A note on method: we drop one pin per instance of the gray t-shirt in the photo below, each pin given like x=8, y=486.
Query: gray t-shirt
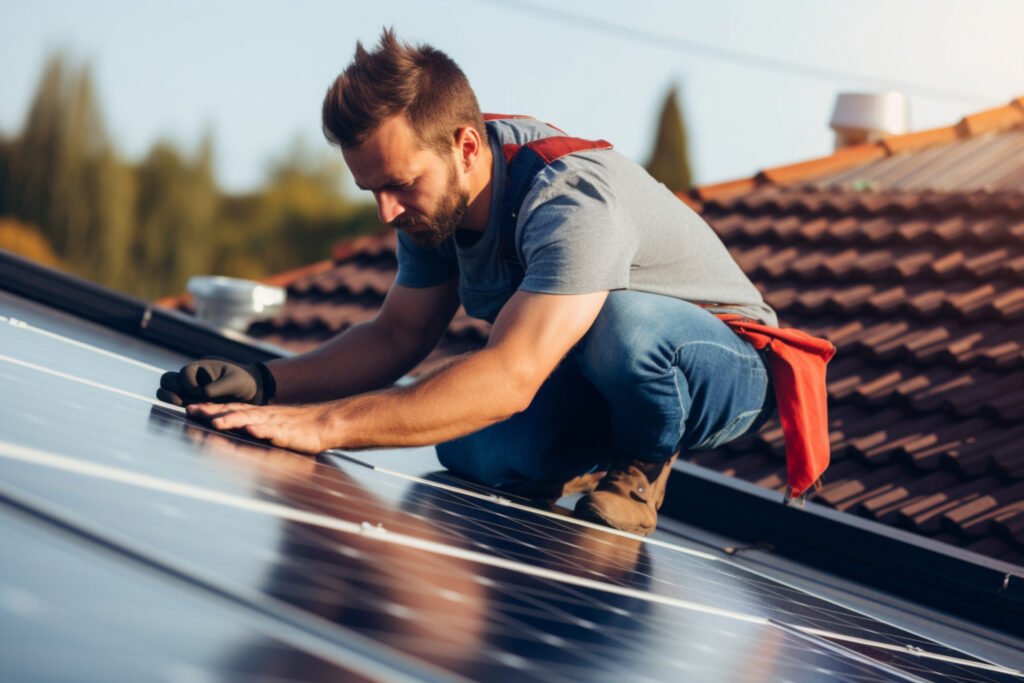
x=591, y=221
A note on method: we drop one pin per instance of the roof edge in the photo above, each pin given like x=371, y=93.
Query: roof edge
x=128, y=314
x=973, y=586
x=995, y=120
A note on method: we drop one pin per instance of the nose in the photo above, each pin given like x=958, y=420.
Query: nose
x=388, y=208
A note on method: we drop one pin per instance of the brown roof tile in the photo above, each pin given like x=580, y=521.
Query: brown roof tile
x=992, y=120
x=727, y=189
x=844, y=158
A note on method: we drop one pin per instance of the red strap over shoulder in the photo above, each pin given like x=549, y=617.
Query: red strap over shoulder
x=554, y=148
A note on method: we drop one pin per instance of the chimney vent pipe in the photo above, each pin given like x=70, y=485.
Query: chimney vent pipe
x=228, y=302
x=864, y=117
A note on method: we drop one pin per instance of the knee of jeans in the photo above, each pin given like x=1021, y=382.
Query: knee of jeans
x=620, y=343
x=462, y=457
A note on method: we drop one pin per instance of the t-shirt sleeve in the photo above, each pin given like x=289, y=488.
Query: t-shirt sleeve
x=572, y=236
x=421, y=267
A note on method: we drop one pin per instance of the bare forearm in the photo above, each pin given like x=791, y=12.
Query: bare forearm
x=472, y=392
x=531, y=335
x=364, y=358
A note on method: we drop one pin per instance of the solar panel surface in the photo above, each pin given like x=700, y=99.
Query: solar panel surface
x=131, y=520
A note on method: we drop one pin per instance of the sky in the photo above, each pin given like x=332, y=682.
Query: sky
x=758, y=79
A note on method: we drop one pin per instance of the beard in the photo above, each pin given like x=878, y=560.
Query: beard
x=442, y=224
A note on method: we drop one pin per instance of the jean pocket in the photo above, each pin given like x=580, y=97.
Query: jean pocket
x=738, y=426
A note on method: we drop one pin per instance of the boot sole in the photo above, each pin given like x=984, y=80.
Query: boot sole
x=586, y=511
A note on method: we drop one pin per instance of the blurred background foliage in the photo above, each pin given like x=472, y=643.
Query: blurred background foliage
x=68, y=198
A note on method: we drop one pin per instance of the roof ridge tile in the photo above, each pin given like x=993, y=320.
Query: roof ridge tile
x=997, y=119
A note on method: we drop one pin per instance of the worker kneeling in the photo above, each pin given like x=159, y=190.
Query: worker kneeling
x=606, y=357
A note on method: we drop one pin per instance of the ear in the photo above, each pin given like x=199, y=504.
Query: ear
x=468, y=147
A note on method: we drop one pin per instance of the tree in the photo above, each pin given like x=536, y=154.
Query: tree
x=669, y=162
x=63, y=175
x=176, y=207
x=146, y=228
x=294, y=219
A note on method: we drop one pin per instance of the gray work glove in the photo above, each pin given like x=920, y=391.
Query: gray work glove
x=217, y=380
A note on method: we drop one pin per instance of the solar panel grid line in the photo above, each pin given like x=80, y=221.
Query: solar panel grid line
x=501, y=500
x=15, y=451
x=98, y=385
x=282, y=620
x=820, y=642
x=492, y=497
x=142, y=480
x=910, y=649
x=22, y=325
x=504, y=529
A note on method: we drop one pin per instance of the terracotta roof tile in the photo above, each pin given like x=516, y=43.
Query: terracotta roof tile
x=728, y=189
x=844, y=158
x=992, y=120
x=920, y=140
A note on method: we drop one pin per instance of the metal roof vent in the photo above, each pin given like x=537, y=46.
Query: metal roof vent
x=233, y=303
x=861, y=117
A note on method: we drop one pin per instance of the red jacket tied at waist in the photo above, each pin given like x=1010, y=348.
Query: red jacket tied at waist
x=798, y=363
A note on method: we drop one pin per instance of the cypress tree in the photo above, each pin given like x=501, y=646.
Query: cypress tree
x=669, y=161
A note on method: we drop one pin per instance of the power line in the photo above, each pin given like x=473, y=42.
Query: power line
x=734, y=56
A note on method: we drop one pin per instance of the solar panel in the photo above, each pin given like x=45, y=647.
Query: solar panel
x=149, y=546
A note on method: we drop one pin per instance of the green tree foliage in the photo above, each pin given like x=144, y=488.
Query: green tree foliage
x=669, y=161
x=295, y=218
x=176, y=205
x=146, y=227
x=63, y=175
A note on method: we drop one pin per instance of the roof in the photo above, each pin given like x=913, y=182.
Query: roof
x=909, y=255
x=144, y=545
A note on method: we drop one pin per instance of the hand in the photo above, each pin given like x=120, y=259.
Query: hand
x=300, y=428
x=219, y=380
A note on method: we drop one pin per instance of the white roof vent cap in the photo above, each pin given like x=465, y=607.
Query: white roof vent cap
x=864, y=117
x=233, y=303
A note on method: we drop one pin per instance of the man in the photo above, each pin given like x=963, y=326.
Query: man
x=605, y=358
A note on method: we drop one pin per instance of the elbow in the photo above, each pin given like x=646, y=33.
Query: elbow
x=520, y=402
x=521, y=388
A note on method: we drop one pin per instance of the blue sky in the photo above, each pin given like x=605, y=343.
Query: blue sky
x=758, y=78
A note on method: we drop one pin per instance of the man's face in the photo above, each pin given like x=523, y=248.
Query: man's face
x=417, y=189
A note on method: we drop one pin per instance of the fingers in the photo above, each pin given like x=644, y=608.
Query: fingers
x=282, y=426
x=215, y=379
x=236, y=384
x=179, y=387
x=210, y=411
x=169, y=397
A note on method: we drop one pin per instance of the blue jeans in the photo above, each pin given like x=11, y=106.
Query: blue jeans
x=653, y=376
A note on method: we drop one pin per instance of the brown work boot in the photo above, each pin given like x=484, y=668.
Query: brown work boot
x=552, y=492
x=629, y=496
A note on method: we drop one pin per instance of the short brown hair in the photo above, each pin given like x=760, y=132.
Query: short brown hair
x=420, y=82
